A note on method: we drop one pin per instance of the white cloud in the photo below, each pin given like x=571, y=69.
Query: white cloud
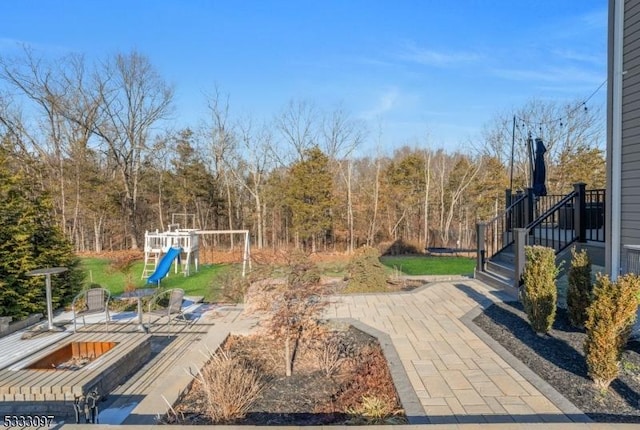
x=550, y=74
x=430, y=57
x=385, y=103
x=572, y=55
x=597, y=19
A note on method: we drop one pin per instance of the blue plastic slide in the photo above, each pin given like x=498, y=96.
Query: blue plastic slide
x=164, y=266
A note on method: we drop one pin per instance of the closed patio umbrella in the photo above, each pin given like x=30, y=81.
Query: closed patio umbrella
x=539, y=170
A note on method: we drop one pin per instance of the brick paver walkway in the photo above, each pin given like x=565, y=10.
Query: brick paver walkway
x=456, y=375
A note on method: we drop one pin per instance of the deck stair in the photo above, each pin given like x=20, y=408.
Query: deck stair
x=556, y=222
x=500, y=273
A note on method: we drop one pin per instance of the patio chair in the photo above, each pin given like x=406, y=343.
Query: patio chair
x=173, y=299
x=96, y=301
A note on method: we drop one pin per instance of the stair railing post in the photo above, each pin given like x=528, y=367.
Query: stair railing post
x=529, y=202
x=481, y=251
x=508, y=198
x=520, y=240
x=580, y=212
x=518, y=211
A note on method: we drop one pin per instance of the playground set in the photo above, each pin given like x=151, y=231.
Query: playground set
x=162, y=249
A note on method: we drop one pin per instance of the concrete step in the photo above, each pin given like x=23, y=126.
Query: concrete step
x=497, y=281
x=501, y=268
x=506, y=257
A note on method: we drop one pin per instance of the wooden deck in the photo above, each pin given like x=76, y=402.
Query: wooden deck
x=20, y=384
x=156, y=369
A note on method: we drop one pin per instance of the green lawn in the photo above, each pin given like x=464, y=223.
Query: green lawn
x=427, y=265
x=99, y=271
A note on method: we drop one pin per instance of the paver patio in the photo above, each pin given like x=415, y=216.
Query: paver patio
x=459, y=377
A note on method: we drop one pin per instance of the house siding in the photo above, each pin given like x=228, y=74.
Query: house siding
x=630, y=146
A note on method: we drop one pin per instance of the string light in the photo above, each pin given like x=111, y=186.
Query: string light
x=580, y=105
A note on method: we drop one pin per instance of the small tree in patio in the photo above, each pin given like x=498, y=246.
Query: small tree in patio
x=292, y=307
x=539, y=295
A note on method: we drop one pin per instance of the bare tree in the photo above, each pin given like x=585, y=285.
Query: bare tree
x=222, y=138
x=372, y=228
x=256, y=148
x=455, y=174
x=566, y=130
x=80, y=107
x=298, y=125
x=342, y=135
x=133, y=99
x=12, y=125
x=376, y=200
x=39, y=83
x=427, y=188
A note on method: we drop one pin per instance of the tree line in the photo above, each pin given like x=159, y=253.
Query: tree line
x=96, y=139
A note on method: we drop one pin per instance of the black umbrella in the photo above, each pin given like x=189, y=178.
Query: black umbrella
x=539, y=170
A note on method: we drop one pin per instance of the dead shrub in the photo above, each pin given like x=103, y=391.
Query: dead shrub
x=371, y=379
x=260, y=295
x=231, y=386
x=610, y=318
x=399, y=247
x=234, y=287
x=331, y=352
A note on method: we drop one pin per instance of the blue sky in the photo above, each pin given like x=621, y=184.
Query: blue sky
x=419, y=71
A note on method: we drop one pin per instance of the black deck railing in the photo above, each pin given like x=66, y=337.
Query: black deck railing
x=552, y=221
x=556, y=227
x=595, y=203
x=544, y=203
x=495, y=235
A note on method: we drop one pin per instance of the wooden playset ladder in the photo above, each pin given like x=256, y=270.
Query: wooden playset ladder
x=150, y=263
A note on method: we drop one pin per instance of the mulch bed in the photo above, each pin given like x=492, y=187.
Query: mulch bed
x=308, y=397
x=558, y=358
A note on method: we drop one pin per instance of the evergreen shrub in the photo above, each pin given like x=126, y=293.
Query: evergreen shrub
x=610, y=318
x=580, y=287
x=365, y=272
x=539, y=294
x=31, y=239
